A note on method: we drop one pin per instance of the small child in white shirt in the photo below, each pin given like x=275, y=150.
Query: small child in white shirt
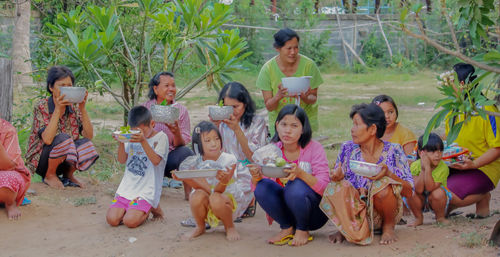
x=140, y=189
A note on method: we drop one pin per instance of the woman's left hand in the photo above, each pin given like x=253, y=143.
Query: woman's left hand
x=383, y=172
x=224, y=176
x=467, y=164
x=81, y=105
x=232, y=123
x=293, y=172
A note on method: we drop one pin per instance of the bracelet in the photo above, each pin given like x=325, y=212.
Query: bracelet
x=220, y=182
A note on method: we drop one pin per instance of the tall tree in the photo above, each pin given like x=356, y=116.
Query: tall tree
x=21, y=44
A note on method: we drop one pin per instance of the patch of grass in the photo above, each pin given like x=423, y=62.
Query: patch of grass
x=84, y=201
x=106, y=166
x=473, y=239
x=36, y=178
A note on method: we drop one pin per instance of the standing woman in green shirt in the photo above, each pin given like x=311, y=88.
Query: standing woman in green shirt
x=288, y=63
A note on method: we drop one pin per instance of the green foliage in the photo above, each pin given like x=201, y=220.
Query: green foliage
x=124, y=42
x=374, y=50
x=401, y=63
x=473, y=239
x=461, y=102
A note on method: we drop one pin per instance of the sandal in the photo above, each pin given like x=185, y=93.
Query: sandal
x=309, y=239
x=251, y=210
x=283, y=241
x=189, y=222
x=476, y=216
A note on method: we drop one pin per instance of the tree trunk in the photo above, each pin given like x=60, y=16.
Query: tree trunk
x=6, y=89
x=21, y=63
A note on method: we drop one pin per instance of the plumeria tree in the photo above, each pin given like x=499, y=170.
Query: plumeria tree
x=126, y=42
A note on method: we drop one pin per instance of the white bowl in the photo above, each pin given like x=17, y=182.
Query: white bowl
x=274, y=172
x=220, y=112
x=296, y=85
x=125, y=137
x=164, y=113
x=73, y=94
x=196, y=173
x=365, y=169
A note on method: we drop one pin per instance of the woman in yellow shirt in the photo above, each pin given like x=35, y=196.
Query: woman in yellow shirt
x=471, y=181
x=395, y=132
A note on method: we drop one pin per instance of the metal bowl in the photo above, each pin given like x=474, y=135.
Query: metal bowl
x=274, y=172
x=73, y=94
x=220, y=112
x=125, y=137
x=164, y=113
x=208, y=173
x=365, y=169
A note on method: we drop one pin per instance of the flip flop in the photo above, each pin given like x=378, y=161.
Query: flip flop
x=476, y=216
x=189, y=222
x=309, y=239
x=26, y=201
x=283, y=241
x=455, y=213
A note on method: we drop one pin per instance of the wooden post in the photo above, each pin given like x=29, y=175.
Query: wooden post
x=346, y=56
x=383, y=34
x=6, y=95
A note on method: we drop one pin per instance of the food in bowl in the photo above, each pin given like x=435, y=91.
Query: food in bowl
x=125, y=134
x=220, y=112
x=73, y=94
x=296, y=85
x=365, y=169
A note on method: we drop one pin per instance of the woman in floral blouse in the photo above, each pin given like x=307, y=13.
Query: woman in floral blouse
x=59, y=143
x=356, y=204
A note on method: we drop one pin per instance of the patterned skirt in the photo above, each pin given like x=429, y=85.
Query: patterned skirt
x=79, y=153
x=355, y=218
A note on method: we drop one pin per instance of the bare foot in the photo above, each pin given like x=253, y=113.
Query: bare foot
x=280, y=235
x=196, y=233
x=443, y=221
x=157, y=213
x=388, y=235
x=12, y=211
x=336, y=238
x=300, y=238
x=76, y=181
x=418, y=221
x=232, y=234
x=53, y=181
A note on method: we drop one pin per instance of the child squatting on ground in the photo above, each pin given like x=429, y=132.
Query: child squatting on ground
x=217, y=198
x=140, y=189
x=430, y=174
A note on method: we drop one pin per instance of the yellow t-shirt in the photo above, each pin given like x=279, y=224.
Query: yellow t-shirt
x=479, y=135
x=439, y=174
x=402, y=135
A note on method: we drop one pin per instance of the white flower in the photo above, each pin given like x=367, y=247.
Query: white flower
x=440, y=83
x=226, y=2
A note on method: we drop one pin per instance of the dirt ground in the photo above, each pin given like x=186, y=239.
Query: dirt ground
x=52, y=225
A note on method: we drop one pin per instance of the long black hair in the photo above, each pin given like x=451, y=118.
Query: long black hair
x=301, y=115
x=236, y=90
x=385, y=98
x=202, y=127
x=56, y=73
x=155, y=81
x=371, y=114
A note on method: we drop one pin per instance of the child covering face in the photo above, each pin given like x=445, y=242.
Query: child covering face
x=430, y=174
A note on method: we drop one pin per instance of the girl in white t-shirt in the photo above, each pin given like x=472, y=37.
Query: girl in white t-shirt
x=145, y=157
x=217, y=198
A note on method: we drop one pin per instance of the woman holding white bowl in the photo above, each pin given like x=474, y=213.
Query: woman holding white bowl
x=289, y=63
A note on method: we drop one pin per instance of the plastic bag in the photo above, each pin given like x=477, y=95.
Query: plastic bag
x=267, y=155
